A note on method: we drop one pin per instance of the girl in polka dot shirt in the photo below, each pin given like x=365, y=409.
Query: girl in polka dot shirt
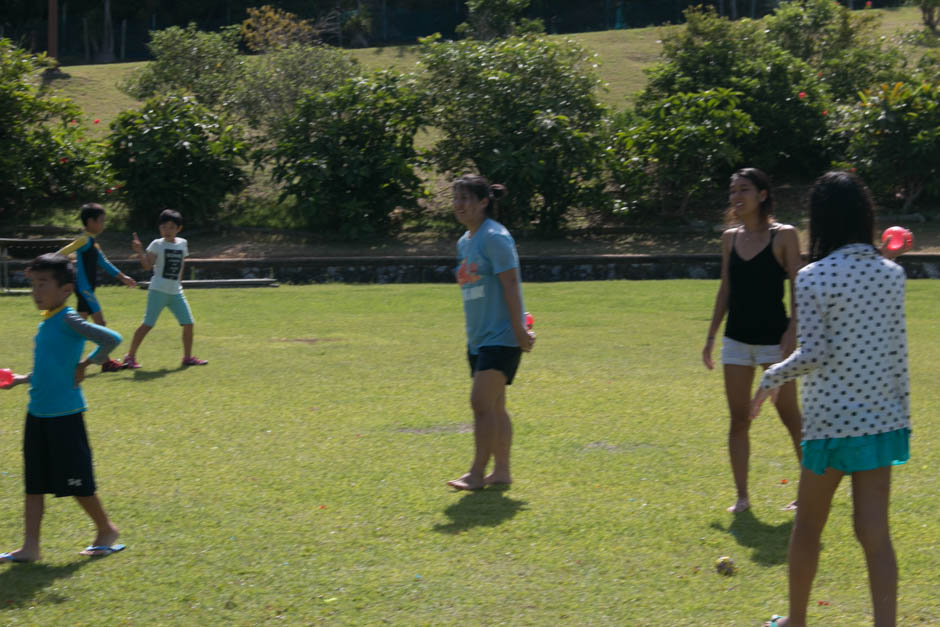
x=855, y=393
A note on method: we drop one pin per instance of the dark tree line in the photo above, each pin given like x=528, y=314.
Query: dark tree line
x=108, y=30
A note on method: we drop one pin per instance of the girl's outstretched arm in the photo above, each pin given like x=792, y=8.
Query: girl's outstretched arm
x=721, y=300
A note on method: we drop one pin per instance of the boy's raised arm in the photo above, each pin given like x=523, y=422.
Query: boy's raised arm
x=146, y=259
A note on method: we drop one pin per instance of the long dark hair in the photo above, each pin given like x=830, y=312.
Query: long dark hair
x=841, y=211
x=481, y=187
x=762, y=182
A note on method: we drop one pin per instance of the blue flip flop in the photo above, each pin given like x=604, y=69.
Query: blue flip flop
x=774, y=619
x=104, y=550
x=8, y=558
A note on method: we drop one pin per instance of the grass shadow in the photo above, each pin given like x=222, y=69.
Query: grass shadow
x=768, y=541
x=482, y=508
x=147, y=375
x=21, y=583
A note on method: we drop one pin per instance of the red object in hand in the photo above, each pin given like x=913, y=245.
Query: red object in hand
x=6, y=376
x=897, y=238
x=529, y=320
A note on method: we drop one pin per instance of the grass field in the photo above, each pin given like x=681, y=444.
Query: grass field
x=299, y=477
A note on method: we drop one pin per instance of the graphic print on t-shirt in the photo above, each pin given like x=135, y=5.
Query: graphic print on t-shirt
x=467, y=273
x=173, y=264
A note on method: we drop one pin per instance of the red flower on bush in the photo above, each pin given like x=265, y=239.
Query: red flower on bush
x=108, y=190
x=63, y=160
x=868, y=4
x=97, y=120
x=802, y=95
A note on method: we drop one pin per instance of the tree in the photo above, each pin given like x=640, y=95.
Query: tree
x=489, y=19
x=521, y=111
x=175, y=153
x=930, y=13
x=43, y=155
x=347, y=156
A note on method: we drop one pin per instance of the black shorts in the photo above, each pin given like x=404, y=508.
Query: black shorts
x=57, y=456
x=503, y=358
x=87, y=302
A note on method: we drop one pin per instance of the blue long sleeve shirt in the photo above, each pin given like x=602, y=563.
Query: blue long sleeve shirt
x=59, y=344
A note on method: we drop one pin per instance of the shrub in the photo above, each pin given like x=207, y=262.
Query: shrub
x=841, y=45
x=782, y=95
x=189, y=61
x=523, y=112
x=269, y=28
x=43, y=155
x=175, y=153
x=662, y=161
x=274, y=82
x=490, y=19
x=348, y=157
x=894, y=141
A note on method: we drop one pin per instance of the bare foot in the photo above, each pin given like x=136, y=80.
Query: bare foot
x=18, y=556
x=102, y=540
x=790, y=507
x=467, y=482
x=494, y=479
x=740, y=506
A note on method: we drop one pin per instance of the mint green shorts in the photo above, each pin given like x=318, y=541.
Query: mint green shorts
x=157, y=300
x=856, y=454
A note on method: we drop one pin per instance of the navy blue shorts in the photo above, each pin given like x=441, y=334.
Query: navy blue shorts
x=503, y=358
x=57, y=456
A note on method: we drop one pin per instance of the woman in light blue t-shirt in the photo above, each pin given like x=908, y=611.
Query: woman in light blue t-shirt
x=491, y=287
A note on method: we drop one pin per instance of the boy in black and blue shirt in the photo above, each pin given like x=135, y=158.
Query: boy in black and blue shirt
x=88, y=257
x=55, y=445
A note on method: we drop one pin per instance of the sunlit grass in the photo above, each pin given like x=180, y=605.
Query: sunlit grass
x=299, y=477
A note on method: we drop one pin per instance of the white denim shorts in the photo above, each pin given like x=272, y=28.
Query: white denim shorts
x=735, y=353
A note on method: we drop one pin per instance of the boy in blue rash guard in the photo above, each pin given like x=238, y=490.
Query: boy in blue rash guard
x=491, y=287
x=55, y=445
x=88, y=257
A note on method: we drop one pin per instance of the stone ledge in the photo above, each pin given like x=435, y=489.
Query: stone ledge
x=440, y=269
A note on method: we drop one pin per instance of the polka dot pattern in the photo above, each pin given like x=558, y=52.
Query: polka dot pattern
x=853, y=346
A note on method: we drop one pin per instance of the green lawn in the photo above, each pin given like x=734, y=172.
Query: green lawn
x=299, y=477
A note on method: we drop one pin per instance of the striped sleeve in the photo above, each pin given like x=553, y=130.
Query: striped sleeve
x=74, y=246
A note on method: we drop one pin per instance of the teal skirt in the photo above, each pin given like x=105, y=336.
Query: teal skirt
x=855, y=454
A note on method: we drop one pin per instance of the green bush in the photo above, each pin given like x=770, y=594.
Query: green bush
x=841, y=45
x=348, y=157
x=522, y=112
x=273, y=83
x=664, y=160
x=175, y=153
x=894, y=141
x=188, y=61
x=489, y=19
x=783, y=95
x=44, y=157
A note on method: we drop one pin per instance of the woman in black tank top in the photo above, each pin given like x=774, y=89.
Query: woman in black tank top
x=757, y=257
